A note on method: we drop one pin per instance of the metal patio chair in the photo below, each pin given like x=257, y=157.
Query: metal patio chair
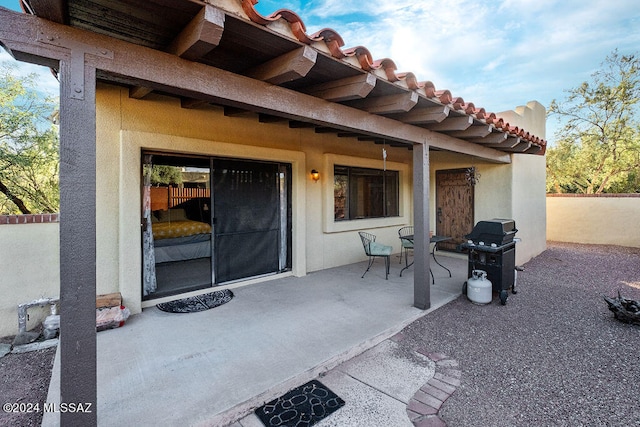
x=407, y=244
x=374, y=249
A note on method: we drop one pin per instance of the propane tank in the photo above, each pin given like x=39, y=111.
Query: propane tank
x=479, y=288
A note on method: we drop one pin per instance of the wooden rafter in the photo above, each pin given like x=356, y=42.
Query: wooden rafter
x=288, y=67
x=424, y=115
x=493, y=138
x=347, y=89
x=200, y=36
x=510, y=142
x=323, y=129
x=473, y=131
x=139, y=92
x=388, y=104
x=52, y=10
x=521, y=147
x=268, y=118
x=179, y=77
x=452, y=124
x=295, y=124
x=193, y=103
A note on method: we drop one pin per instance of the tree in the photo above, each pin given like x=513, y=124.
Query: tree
x=598, y=148
x=29, y=146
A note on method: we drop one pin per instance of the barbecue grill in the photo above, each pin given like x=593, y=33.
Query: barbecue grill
x=492, y=248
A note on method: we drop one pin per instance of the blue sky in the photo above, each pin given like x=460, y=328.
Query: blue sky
x=498, y=55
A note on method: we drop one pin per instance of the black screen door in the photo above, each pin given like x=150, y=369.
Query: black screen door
x=247, y=219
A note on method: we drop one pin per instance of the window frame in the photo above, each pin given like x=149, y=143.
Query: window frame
x=328, y=201
x=369, y=175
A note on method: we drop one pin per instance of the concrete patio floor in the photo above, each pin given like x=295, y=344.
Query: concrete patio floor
x=216, y=366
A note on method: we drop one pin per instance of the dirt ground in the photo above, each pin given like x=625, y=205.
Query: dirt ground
x=24, y=379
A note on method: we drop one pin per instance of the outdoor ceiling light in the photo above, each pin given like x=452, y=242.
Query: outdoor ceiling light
x=315, y=175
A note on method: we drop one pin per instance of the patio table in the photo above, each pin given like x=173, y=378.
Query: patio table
x=432, y=239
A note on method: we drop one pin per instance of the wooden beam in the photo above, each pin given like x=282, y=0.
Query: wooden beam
x=139, y=92
x=235, y=112
x=387, y=104
x=267, y=118
x=521, y=147
x=473, y=131
x=200, y=36
x=295, y=124
x=510, y=142
x=533, y=149
x=426, y=115
x=452, y=124
x=323, y=129
x=193, y=103
x=495, y=137
x=78, y=349
x=375, y=139
x=356, y=87
x=288, y=67
x=180, y=77
x=51, y=10
x=421, y=288
x=197, y=39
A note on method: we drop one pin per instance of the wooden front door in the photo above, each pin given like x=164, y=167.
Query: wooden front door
x=454, y=207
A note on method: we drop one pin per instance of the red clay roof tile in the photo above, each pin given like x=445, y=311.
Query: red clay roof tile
x=334, y=43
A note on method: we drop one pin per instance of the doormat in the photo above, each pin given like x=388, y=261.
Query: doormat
x=303, y=406
x=197, y=303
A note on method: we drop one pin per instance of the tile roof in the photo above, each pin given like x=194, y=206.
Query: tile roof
x=387, y=66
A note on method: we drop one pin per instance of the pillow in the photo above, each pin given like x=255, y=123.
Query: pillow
x=172, y=215
x=177, y=215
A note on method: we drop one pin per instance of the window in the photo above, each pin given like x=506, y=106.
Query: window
x=365, y=193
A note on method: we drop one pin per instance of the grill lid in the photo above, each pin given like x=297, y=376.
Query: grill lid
x=498, y=231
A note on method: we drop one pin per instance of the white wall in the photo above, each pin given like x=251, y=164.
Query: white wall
x=595, y=220
x=30, y=270
x=528, y=177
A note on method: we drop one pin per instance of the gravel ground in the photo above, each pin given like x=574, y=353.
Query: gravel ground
x=554, y=355
x=24, y=378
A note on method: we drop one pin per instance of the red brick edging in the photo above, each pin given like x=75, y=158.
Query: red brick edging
x=424, y=407
x=30, y=218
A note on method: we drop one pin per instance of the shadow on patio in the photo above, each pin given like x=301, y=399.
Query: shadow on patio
x=212, y=367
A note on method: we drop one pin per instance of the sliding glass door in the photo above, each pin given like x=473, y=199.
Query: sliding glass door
x=212, y=221
x=246, y=219
x=179, y=224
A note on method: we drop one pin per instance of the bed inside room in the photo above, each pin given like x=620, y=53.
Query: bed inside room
x=180, y=223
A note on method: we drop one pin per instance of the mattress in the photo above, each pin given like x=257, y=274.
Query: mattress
x=174, y=229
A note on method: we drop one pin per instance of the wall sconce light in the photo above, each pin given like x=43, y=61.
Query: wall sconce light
x=315, y=175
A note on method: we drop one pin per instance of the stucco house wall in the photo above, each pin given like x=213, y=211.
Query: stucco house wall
x=126, y=126
x=527, y=185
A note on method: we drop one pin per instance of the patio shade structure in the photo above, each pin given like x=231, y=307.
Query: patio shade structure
x=208, y=55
